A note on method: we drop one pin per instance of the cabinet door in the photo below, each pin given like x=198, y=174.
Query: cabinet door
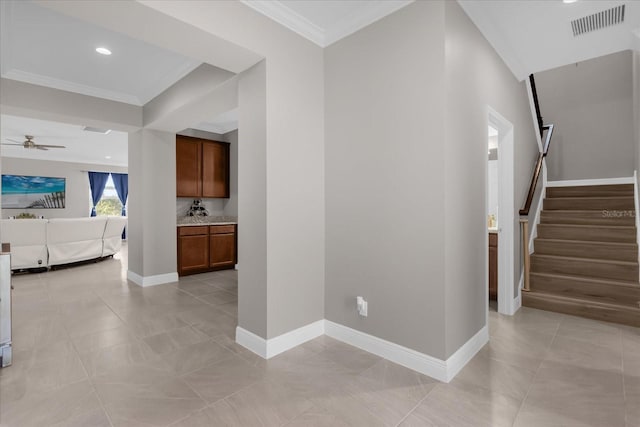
x=188, y=167
x=215, y=169
x=223, y=250
x=193, y=253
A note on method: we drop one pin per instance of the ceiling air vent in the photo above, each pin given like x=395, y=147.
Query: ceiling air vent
x=597, y=21
x=97, y=130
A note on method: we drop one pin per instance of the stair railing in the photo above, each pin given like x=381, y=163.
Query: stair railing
x=524, y=212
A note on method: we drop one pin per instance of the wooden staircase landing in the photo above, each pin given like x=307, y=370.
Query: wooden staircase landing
x=585, y=259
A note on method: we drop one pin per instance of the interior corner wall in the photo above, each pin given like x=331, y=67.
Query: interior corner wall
x=152, y=187
x=231, y=204
x=78, y=193
x=476, y=77
x=591, y=105
x=636, y=107
x=294, y=132
x=384, y=152
x=252, y=201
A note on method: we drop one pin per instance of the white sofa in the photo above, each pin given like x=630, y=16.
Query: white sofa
x=28, y=238
x=45, y=243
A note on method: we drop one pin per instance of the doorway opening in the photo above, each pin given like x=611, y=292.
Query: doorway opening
x=500, y=213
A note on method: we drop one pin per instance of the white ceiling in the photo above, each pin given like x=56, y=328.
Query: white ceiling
x=325, y=21
x=82, y=146
x=43, y=47
x=533, y=36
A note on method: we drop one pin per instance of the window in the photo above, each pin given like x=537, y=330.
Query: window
x=109, y=204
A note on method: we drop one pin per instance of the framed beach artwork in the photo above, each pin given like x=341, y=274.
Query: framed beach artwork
x=32, y=192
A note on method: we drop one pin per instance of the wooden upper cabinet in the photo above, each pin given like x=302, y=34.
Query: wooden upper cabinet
x=202, y=168
x=188, y=167
x=215, y=169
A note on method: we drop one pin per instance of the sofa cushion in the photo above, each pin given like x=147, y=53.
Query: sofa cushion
x=28, y=239
x=74, y=239
x=112, y=240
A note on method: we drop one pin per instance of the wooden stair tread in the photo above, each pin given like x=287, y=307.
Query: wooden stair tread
x=586, y=302
x=587, y=279
x=606, y=311
x=590, y=242
x=593, y=260
x=593, y=226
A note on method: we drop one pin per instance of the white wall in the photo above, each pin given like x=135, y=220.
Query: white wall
x=78, y=194
x=591, y=105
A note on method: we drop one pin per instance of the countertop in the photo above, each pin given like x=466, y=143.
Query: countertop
x=187, y=221
x=493, y=230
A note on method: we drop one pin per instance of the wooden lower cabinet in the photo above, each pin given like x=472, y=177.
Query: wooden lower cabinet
x=206, y=248
x=493, y=266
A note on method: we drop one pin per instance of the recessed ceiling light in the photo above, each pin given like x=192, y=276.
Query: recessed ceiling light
x=103, y=51
x=107, y=157
x=569, y=1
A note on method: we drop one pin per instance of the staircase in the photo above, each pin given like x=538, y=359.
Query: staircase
x=585, y=259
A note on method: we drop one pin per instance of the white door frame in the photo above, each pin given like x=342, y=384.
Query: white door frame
x=506, y=216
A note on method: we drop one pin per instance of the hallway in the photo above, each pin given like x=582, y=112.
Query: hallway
x=92, y=349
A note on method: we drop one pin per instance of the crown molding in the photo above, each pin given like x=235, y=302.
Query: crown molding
x=60, y=84
x=286, y=17
x=323, y=37
x=376, y=11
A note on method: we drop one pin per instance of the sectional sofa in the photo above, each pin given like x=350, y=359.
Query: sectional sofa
x=49, y=242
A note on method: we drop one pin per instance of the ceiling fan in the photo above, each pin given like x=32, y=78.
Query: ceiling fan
x=28, y=143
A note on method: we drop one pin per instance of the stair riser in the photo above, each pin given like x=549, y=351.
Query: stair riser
x=604, y=204
x=625, y=316
x=602, y=234
x=625, y=190
x=586, y=250
x=584, y=268
x=585, y=218
x=574, y=287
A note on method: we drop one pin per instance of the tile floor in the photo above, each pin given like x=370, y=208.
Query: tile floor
x=92, y=349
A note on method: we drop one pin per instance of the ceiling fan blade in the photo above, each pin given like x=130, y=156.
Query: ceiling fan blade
x=15, y=145
x=41, y=147
x=13, y=140
x=50, y=146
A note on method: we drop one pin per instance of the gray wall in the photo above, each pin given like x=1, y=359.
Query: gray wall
x=78, y=194
x=636, y=107
x=407, y=124
x=591, y=104
x=476, y=77
x=384, y=165
x=152, y=188
x=252, y=201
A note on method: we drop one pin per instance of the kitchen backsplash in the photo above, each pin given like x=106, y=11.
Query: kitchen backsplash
x=214, y=206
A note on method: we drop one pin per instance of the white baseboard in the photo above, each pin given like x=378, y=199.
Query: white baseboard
x=517, y=303
x=251, y=341
x=158, y=279
x=274, y=346
x=464, y=354
x=442, y=370
x=582, y=182
x=428, y=365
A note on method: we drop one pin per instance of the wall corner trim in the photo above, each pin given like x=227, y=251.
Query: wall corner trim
x=274, y=346
x=442, y=370
x=428, y=365
x=465, y=353
x=158, y=279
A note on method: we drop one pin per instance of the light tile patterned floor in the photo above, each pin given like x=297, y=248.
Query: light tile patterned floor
x=92, y=349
